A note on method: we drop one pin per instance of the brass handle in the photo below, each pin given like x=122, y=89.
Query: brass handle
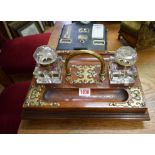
x=99, y=57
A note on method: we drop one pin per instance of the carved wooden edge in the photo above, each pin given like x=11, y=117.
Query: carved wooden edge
x=86, y=115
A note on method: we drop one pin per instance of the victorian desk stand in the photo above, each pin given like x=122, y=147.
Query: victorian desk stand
x=85, y=71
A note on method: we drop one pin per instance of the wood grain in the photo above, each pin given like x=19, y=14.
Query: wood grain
x=146, y=67
x=53, y=41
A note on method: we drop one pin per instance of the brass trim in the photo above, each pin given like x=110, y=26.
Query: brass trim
x=85, y=74
x=99, y=57
x=65, y=41
x=136, y=99
x=98, y=42
x=33, y=98
x=83, y=30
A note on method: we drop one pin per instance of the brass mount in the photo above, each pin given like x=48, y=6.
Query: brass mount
x=99, y=57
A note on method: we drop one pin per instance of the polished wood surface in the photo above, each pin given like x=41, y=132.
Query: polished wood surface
x=53, y=41
x=98, y=105
x=146, y=67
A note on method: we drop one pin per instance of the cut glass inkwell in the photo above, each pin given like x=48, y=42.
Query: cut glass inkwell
x=122, y=69
x=49, y=66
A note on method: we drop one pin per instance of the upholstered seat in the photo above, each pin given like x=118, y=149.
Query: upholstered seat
x=16, y=55
x=11, y=101
x=131, y=27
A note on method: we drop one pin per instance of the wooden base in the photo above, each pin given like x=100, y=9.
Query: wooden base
x=140, y=116
x=61, y=101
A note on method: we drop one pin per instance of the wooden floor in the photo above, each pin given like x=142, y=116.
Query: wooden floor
x=146, y=67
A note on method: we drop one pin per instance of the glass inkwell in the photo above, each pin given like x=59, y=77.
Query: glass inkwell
x=49, y=66
x=122, y=69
